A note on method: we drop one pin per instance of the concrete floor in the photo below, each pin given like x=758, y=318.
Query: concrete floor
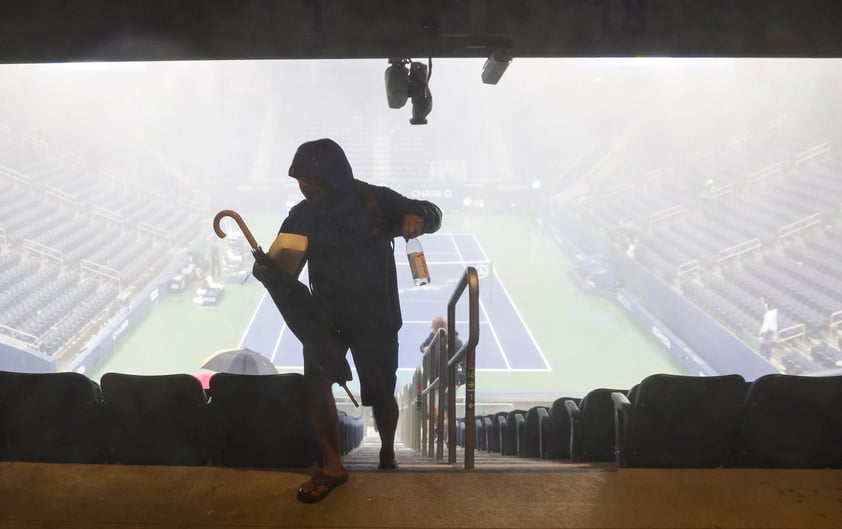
x=35, y=495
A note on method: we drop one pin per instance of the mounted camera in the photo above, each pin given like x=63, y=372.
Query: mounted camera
x=406, y=79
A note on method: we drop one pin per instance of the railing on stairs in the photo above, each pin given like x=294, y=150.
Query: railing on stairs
x=431, y=397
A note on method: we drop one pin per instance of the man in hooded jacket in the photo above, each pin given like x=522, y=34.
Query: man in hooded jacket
x=351, y=227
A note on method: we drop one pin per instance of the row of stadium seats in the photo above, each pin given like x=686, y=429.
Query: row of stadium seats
x=679, y=421
x=734, y=314
x=44, y=166
x=682, y=216
x=798, y=363
x=40, y=217
x=248, y=421
x=51, y=307
x=665, y=421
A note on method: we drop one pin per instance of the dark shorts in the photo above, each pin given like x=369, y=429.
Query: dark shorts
x=375, y=354
x=369, y=329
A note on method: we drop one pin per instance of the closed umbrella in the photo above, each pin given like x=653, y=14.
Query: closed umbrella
x=296, y=305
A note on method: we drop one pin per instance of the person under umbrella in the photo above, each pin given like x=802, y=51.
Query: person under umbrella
x=351, y=227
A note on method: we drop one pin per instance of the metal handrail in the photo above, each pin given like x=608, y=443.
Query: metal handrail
x=430, y=380
x=737, y=250
x=799, y=225
x=470, y=280
x=835, y=319
x=799, y=330
x=438, y=377
x=812, y=152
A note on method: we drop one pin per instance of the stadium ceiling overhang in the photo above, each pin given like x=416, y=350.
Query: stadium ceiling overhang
x=106, y=30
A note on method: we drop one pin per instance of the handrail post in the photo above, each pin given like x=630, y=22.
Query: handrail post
x=435, y=384
x=430, y=407
x=444, y=356
x=451, y=390
x=422, y=401
x=417, y=434
x=469, y=280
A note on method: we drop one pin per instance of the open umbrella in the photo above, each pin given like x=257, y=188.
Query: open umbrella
x=204, y=378
x=241, y=361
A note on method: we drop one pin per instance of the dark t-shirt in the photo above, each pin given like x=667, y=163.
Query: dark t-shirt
x=355, y=283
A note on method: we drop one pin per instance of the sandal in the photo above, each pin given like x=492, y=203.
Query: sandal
x=325, y=482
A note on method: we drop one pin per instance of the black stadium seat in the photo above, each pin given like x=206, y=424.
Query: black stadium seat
x=51, y=418
x=530, y=442
x=510, y=427
x=155, y=420
x=487, y=439
x=460, y=431
x=679, y=421
x=793, y=422
x=350, y=432
x=260, y=421
x=480, y=441
x=592, y=426
x=555, y=430
x=498, y=423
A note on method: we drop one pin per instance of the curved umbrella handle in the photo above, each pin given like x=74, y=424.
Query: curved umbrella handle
x=240, y=222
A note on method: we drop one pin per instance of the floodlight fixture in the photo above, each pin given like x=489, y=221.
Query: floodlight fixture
x=397, y=83
x=405, y=80
x=496, y=65
x=419, y=92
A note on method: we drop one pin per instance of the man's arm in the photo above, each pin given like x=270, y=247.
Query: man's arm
x=264, y=269
x=426, y=343
x=408, y=217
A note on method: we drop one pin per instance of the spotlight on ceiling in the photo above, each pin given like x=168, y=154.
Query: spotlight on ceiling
x=413, y=83
x=397, y=83
x=496, y=65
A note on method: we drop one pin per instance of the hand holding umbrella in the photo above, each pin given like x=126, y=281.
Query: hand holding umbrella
x=297, y=307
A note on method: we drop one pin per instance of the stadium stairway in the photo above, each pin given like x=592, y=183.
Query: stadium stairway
x=500, y=492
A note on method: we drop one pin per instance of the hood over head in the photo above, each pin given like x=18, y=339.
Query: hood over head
x=324, y=159
x=342, y=219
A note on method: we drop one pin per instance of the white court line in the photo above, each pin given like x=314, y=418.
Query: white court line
x=278, y=341
x=251, y=321
x=482, y=305
x=519, y=315
x=496, y=338
x=251, y=324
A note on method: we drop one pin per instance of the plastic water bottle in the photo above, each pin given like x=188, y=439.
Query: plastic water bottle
x=417, y=262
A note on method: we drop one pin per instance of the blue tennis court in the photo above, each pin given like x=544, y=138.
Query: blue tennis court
x=505, y=342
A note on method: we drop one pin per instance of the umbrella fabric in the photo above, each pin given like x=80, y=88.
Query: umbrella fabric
x=204, y=378
x=240, y=361
x=299, y=310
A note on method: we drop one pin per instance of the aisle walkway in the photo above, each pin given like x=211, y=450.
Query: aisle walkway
x=365, y=458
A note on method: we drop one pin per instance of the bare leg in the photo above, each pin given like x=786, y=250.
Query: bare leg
x=386, y=415
x=322, y=410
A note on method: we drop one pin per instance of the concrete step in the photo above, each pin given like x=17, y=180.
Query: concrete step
x=367, y=456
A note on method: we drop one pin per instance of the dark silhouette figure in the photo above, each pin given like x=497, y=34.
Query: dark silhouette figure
x=353, y=299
